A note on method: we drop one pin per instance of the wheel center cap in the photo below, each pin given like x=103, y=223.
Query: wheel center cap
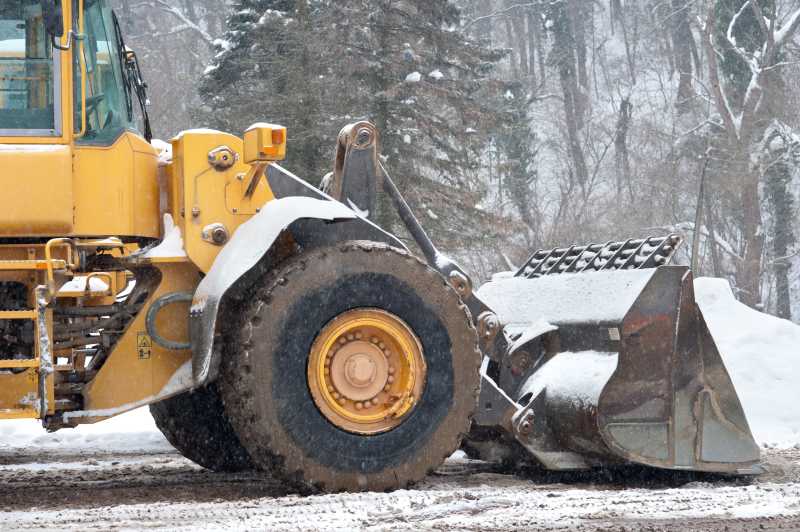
x=360, y=370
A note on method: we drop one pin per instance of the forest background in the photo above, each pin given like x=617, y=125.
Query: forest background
x=512, y=126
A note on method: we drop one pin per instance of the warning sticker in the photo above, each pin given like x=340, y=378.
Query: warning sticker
x=144, y=345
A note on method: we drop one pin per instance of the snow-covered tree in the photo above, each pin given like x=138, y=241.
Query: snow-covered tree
x=268, y=67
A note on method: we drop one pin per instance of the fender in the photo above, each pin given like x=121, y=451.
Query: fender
x=312, y=217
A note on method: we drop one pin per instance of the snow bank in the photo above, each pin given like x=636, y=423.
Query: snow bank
x=762, y=354
x=133, y=431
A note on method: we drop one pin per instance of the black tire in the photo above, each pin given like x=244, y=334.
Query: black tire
x=196, y=425
x=264, y=380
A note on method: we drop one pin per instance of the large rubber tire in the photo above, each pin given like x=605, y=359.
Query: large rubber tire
x=264, y=381
x=196, y=425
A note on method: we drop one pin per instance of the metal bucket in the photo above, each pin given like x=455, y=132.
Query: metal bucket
x=629, y=373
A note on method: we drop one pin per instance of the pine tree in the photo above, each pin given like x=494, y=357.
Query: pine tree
x=430, y=90
x=267, y=69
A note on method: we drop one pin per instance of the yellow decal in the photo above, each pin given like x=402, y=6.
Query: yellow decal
x=144, y=345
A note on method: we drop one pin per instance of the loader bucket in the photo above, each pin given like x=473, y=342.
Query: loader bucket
x=631, y=373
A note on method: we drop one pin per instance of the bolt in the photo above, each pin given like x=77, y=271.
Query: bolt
x=387, y=388
x=375, y=401
x=526, y=426
x=391, y=370
x=336, y=395
x=342, y=401
x=382, y=345
x=359, y=335
x=374, y=339
x=461, y=283
x=351, y=337
x=390, y=379
x=219, y=235
x=359, y=406
x=342, y=340
x=363, y=137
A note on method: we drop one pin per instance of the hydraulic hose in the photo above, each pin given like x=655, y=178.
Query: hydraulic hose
x=150, y=319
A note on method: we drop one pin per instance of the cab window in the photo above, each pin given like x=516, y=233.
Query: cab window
x=27, y=71
x=108, y=107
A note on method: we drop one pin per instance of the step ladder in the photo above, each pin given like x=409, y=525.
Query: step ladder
x=29, y=393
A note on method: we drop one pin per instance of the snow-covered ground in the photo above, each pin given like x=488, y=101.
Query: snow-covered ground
x=134, y=431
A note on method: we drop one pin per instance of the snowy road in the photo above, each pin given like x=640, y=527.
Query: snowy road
x=97, y=490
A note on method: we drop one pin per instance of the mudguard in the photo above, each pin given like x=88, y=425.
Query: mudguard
x=311, y=217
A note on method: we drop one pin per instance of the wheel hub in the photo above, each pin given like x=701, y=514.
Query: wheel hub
x=359, y=370
x=366, y=371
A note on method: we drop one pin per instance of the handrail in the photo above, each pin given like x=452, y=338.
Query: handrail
x=84, y=72
x=48, y=255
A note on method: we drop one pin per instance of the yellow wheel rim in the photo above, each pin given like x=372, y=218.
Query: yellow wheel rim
x=366, y=371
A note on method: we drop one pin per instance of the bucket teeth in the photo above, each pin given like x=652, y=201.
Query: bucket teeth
x=630, y=254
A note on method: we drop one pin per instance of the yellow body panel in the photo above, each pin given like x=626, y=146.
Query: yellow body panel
x=37, y=181
x=202, y=195
x=18, y=394
x=88, y=191
x=116, y=189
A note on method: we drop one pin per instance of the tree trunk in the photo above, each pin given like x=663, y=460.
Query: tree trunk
x=512, y=49
x=563, y=57
x=682, y=39
x=520, y=41
x=621, y=145
x=748, y=275
x=778, y=177
x=530, y=20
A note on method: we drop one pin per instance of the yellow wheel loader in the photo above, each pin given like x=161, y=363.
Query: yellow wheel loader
x=271, y=324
